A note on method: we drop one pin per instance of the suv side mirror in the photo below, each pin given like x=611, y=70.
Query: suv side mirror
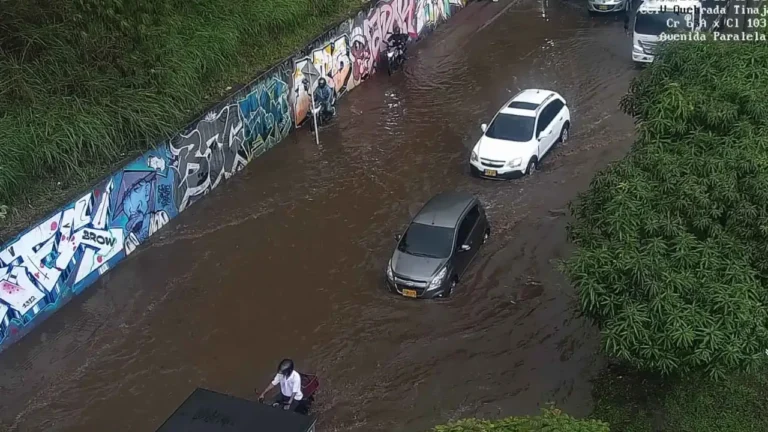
x=464, y=248
x=483, y=127
x=398, y=237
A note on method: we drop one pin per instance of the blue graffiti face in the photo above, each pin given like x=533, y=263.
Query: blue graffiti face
x=136, y=206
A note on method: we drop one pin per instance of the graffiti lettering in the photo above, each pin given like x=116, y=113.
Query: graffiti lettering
x=267, y=116
x=99, y=239
x=60, y=246
x=207, y=154
x=29, y=302
x=333, y=61
x=164, y=195
x=380, y=23
x=363, y=43
x=58, y=258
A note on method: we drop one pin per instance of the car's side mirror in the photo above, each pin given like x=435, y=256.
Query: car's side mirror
x=464, y=248
x=483, y=127
x=398, y=237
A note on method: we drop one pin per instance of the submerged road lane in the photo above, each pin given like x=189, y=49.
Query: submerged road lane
x=287, y=258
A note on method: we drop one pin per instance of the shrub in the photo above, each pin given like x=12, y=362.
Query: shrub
x=550, y=420
x=672, y=241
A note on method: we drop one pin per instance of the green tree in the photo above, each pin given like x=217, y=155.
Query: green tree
x=550, y=420
x=672, y=241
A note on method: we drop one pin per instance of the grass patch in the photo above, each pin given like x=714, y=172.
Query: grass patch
x=633, y=403
x=87, y=84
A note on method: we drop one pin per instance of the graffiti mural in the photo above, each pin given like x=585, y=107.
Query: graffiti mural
x=350, y=56
x=57, y=258
x=432, y=12
x=380, y=22
x=143, y=202
x=372, y=28
x=65, y=253
x=362, y=60
x=209, y=153
x=332, y=61
x=267, y=116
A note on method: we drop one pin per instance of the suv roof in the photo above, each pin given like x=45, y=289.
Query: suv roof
x=528, y=102
x=536, y=96
x=444, y=209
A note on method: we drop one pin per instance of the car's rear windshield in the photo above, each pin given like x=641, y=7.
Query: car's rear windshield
x=511, y=127
x=427, y=240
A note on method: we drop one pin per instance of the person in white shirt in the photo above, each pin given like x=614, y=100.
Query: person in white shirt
x=289, y=380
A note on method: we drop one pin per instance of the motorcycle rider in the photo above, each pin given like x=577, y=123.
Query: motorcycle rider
x=290, y=397
x=398, y=40
x=323, y=95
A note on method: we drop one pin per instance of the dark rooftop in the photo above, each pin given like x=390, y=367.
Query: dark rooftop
x=444, y=209
x=523, y=105
x=209, y=411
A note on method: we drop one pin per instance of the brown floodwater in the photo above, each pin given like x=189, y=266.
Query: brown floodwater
x=287, y=259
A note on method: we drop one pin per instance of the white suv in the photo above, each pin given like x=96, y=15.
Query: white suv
x=520, y=134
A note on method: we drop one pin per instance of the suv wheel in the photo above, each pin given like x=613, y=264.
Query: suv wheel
x=564, y=133
x=531, y=166
x=450, y=288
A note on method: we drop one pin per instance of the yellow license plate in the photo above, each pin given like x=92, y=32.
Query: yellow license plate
x=409, y=293
x=490, y=173
x=603, y=7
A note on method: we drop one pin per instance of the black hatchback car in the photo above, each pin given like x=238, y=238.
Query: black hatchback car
x=438, y=245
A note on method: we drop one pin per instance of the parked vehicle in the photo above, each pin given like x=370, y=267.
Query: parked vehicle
x=206, y=410
x=520, y=134
x=437, y=247
x=604, y=6
x=655, y=17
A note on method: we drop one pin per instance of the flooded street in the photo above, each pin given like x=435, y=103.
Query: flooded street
x=287, y=259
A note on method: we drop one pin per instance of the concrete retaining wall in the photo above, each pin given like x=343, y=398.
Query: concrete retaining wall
x=59, y=257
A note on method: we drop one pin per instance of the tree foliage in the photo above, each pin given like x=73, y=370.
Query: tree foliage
x=672, y=241
x=550, y=420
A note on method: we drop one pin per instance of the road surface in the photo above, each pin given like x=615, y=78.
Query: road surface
x=287, y=258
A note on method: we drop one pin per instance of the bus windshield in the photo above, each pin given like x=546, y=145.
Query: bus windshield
x=656, y=23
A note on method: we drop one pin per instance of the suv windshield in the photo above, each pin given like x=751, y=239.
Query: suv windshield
x=658, y=23
x=510, y=127
x=427, y=241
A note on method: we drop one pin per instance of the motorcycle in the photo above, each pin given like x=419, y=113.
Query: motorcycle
x=317, y=111
x=395, y=58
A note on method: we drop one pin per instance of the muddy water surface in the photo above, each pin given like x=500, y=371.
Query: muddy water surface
x=287, y=258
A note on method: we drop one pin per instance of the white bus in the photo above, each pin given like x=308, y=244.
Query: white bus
x=655, y=17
